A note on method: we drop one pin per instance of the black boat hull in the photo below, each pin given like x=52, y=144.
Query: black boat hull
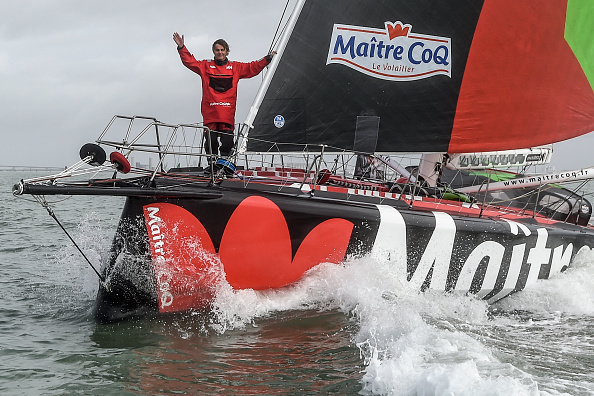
x=169, y=254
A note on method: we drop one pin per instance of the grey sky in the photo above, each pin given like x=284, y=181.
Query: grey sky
x=68, y=66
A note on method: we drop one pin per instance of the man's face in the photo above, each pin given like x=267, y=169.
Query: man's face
x=220, y=53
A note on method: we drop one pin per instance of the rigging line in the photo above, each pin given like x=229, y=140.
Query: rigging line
x=278, y=27
x=44, y=203
x=36, y=201
x=275, y=43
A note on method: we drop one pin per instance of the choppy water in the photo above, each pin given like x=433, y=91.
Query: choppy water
x=339, y=331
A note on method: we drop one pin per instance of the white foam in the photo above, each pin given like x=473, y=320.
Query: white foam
x=94, y=238
x=569, y=292
x=411, y=342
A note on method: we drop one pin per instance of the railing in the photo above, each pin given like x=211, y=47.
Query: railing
x=153, y=147
x=178, y=150
x=164, y=147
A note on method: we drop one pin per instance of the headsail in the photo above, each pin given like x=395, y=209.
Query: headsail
x=483, y=76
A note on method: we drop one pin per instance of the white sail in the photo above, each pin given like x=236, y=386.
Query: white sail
x=268, y=77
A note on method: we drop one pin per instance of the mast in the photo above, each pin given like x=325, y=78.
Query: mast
x=248, y=124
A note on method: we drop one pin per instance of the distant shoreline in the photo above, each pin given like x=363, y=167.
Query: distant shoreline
x=20, y=168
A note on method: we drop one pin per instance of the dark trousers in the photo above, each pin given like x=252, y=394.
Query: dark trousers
x=222, y=131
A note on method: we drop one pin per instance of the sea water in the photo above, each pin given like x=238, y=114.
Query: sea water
x=351, y=329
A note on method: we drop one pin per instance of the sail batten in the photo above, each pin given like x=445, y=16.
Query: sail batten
x=438, y=77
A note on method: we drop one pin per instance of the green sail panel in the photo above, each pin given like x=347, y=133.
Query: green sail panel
x=579, y=33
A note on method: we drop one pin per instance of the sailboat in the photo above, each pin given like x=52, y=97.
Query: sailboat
x=314, y=178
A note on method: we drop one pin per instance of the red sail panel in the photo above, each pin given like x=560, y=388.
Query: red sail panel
x=523, y=85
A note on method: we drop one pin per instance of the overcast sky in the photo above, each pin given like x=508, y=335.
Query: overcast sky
x=68, y=66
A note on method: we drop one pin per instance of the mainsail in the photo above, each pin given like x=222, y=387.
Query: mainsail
x=426, y=76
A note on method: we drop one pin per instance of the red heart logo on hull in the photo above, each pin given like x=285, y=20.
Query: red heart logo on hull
x=256, y=246
x=255, y=251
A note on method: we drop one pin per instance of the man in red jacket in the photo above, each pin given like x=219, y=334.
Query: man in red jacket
x=219, y=89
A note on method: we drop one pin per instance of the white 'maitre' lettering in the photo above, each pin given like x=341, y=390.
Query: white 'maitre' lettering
x=434, y=266
x=163, y=277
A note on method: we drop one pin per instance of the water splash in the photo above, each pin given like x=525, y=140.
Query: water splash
x=75, y=283
x=568, y=292
x=412, y=342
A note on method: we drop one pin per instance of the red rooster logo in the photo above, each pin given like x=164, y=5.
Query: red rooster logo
x=397, y=29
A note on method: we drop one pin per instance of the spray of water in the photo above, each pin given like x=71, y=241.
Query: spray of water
x=567, y=292
x=410, y=342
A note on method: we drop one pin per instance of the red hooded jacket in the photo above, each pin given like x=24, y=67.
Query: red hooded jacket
x=219, y=84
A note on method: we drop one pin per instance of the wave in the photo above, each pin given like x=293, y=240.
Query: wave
x=421, y=343
x=410, y=342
